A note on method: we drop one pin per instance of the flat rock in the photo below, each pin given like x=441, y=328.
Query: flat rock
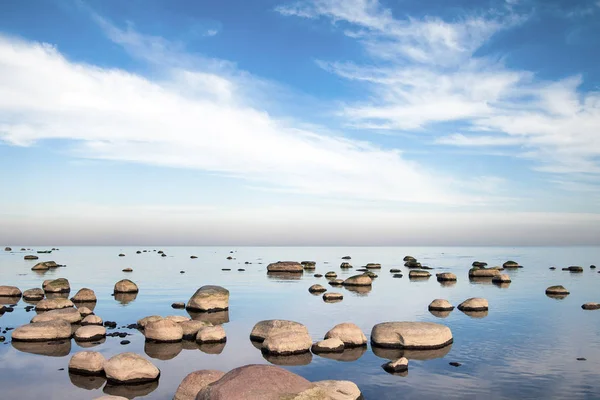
x=90, y=333
x=440, y=305
x=317, y=289
x=84, y=295
x=446, y=277
x=411, y=335
x=190, y=386
x=557, y=290
x=71, y=315
x=399, y=365
x=209, y=298
x=87, y=363
x=358, y=280
x=43, y=331
x=35, y=294
x=191, y=328
x=483, y=272
x=10, y=291
x=264, y=329
x=330, y=390
x=336, y=282
x=30, y=257
x=53, y=304
x=418, y=274
x=211, y=334
x=333, y=345
x=163, y=330
x=60, y=285
x=502, y=278
x=333, y=297
x=591, y=306
x=474, y=304
x=350, y=334
x=131, y=368
x=373, y=266
x=575, y=269
x=126, y=286
x=178, y=305
x=285, y=266
x=287, y=343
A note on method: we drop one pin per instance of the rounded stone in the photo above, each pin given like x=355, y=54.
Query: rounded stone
x=409, y=258
x=446, y=277
x=345, y=265
x=336, y=282
x=474, y=304
x=411, y=335
x=440, y=305
x=358, y=280
x=43, y=331
x=285, y=266
x=163, y=330
x=53, y=304
x=178, y=305
x=211, y=334
x=331, y=390
x=84, y=311
x=126, y=286
x=190, y=386
x=264, y=329
x=479, y=264
x=71, y=315
x=399, y=365
x=287, y=343
x=177, y=318
x=146, y=320
x=483, y=272
x=331, y=274
x=30, y=257
x=317, y=289
x=332, y=345
x=333, y=297
x=90, y=333
x=84, y=295
x=60, y=285
x=10, y=291
x=418, y=274
x=91, y=320
x=131, y=368
x=190, y=328
x=591, y=306
x=35, y=294
x=502, y=278
x=511, y=264
x=350, y=334
x=87, y=363
x=557, y=290
x=209, y=298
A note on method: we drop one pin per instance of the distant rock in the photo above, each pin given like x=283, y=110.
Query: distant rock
x=395, y=270
x=285, y=266
x=373, y=266
x=336, y=282
x=333, y=297
x=345, y=265
x=502, y=278
x=575, y=269
x=483, y=272
x=331, y=274
x=178, y=305
x=511, y=265
x=84, y=295
x=7, y=249
x=557, y=290
x=446, y=277
x=317, y=289
x=358, y=280
x=591, y=306
x=409, y=258
x=474, y=304
x=412, y=264
x=43, y=331
x=126, y=286
x=418, y=274
x=127, y=269
x=309, y=265
x=318, y=275
x=479, y=264
x=30, y=257
x=346, y=258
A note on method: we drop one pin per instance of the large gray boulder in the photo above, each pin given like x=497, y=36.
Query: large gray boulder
x=285, y=266
x=411, y=335
x=209, y=298
x=190, y=386
x=350, y=334
x=130, y=368
x=43, y=331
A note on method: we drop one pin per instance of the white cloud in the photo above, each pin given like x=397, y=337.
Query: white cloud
x=429, y=71
x=211, y=32
x=195, y=119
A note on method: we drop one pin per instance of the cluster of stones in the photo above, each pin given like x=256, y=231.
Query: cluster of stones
x=341, y=337
x=411, y=262
x=175, y=328
x=281, y=337
x=124, y=368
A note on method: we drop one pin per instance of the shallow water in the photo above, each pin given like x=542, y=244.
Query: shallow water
x=525, y=347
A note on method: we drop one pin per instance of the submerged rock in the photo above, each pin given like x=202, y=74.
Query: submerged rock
x=358, y=280
x=317, y=289
x=333, y=297
x=128, y=368
x=209, y=298
x=474, y=304
x=399, y=365
x=446, y=277
x=411, y=335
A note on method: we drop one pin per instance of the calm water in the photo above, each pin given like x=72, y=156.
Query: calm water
x=526, y=347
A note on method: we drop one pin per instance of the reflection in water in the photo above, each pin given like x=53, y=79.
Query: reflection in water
x=359, y=290
x=212, y=348
x=419, y=278
x=446, y=284
x=5, y=300
x=215, y=318
x=256, y=344
x=32, y=302
x=294, y=359
x=131, y=391
x=125, y=298
x=440, y=314
x=52, y=296
x=89, y=304
x=502, y=285
x=557, y=296
x=285, y=276
x=51, y=349
x=394, y=354
x=476, y=314
x=163, y=351
x=87, y=345
x=480, y=280
x=87, y=382
x=190, y=345
x=349, y=354
x=401, y=373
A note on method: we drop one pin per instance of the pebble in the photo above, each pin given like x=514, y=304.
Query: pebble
x=124, y=342
x=455, y=364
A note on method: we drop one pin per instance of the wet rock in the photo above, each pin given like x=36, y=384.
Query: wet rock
x=92, y=320
x=440, y=305
x=30, y=257
x=127, y=368
x=446, y=277
x=483, y=272
x=42, y=331
x=35, y=294
x=358, y=280
x=190, y=328
x=190, y=386
x=474, y=304
x=53, y=304
x=331, y=274
x=124, y=342
x=479, y=264
x=317, y=289
x=591, y=306
x=110, y=324
x=318, y=275
x=209, y=298
x=287, y=343
x=84, y=295
x=397, y=276
x=264, y=329
x=126, y=286
x=60, y=285
x=71, y=315
x=44, y=266
x=399, y=365
x=412, y=264
x=418, y=274
x=163, y=330
x=87, y=363
x=178, y=305
x=345, y=265
x=308, y=265
x=285, y=266
x=128, y=270
x=336, y=282
x=511, y=265
x=350, y=334
x=211, y=334
x=575, y=269
x=592, y=267
x=411, y=335
x=333, y=345
x=502, y=278
x=90, y=333
x=373, y=266
x=333, y=297
x=557, y=290
x=10, y=291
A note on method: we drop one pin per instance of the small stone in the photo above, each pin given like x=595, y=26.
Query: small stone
x=358, y=280
x=591, y=306
x=178, y=305
x=418, y=274
x=399, y=365
x=336, y=282
x=318, y=275
x=332, y=345
x=90, y=333
x=345, y=265
x=455, y=364
x=557, y=290
x=331, y=274
x=124, y=342
x=446, y=277
x=397, y=276
x=581, y=359
x=333, y=297
x=474, y=304
x=211, y=334
x=440, y=305
x=126, y=286
x=128, y=270
x=350, y=334
x=316, y=289
x=395, y=270
x=92, y=320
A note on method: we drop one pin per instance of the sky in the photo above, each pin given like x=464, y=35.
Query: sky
x=309, y=122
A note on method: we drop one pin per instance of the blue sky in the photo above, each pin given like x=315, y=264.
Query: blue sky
x=300, y=122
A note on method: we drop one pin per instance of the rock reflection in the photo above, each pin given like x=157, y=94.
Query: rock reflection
x=87, y=382
x=87, y=345
x=215, y=318
x=446, y=284
x=359, y=290
x=212, y=348
x=125, y=298
x=476, y=314
x=257, y=345
x=60, y=348
x=163, y=351
x=402, y=373
x=130, y=391
x=348, y=355
x=285, y=276
x=480, y=280
x=440, y=314
x=502, y=285
x=557, y=296
x=52, y=296
x=394, y=354
x=89, y=304
x=294, y=359
x=9, y=300
x=190, y=345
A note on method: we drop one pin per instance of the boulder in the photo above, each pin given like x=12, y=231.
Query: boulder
x=575, y=269
x=591, y=306
x=331, y=274
x=317, y=289
x=84, y=296
x=10, y=291
x=264, y=329
x=191, y=328
x=90, y=333
x=483, y=272
x=511, y=265
x=190, y=386
x=35, y=294
x=440, y=305
x=211, y=334
x=446, y=277
x=373, y=266
x=92, y=320
x=43, y=331
x=163, y=330
x=474, y=304
x=53, y=304
x=418, y=274
x=126, y=286
x=71, y=315
x=255, y=382
x=333, y=345
x=411, y=335
x=30, y=257
x=287, y=343
x=87, y=363
x=7, y=249
x=350, y=334
x=60, y=285
x=345, y=265
x=44, y=266
x=285, y=266
x=141, y=323
x=333, y=297
x=336, y=282
x=130, y=368
x=308, y=264
x=557, y=290
x=502, y=278
x=209, y=298
x=358, y=280
x=479, y=264
x=399, y=365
